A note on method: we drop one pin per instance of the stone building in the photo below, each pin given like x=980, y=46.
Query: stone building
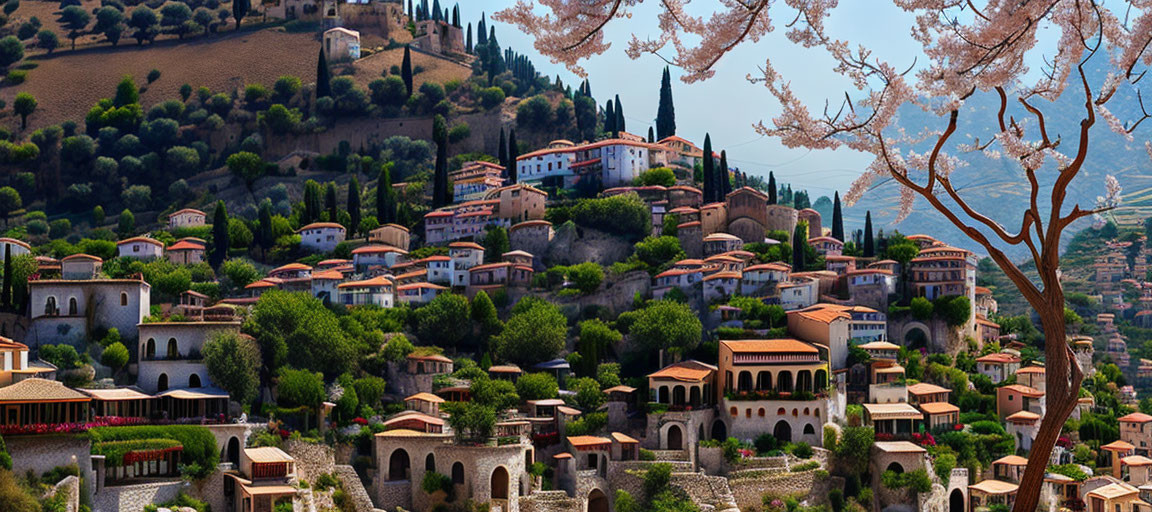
x=812, y=217
x=393, y=235
x=776, y=386
x=170, y=354
x=531, y=236
x=748, y=214
x=65, y=311
x=341, y=44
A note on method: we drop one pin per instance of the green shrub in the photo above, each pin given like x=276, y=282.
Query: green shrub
x=647, y=454
x=199, y=445
x=434, y=481
x=802, y=450
x=325, y=481
x=16, y=77
x=807, y=466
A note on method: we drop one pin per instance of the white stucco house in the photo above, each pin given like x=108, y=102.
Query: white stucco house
x=321, y=236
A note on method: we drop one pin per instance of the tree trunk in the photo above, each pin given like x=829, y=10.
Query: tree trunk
x=1061, y=394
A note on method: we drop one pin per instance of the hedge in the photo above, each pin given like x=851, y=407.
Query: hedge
x=198, y=442
x=115, y=451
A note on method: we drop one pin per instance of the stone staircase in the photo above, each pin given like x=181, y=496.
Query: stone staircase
x=709, y=492
x=671, y=455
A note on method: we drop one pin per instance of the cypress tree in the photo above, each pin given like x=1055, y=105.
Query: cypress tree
x=837, y=218
x=503, y=150
x=456, y=15
x=771, y=188
x=436, y=11
x=710, y=182
x=619, y=126
x=651, y=135
x=513, y=154
x=609, y=118
x=240, y=9
x=587, y=88
x=354, y=204
x=481, y=31
x=411, y=12
x=406, y=69
x=725, y=183
x=440, y=195
x=468, y=39
x=6, y=292
x=267, y=236
x=869, y=244
x=330, y=201
x=666, y=111
x=799, y=243
x=323, y=77
x=219, y=235
x=385, y=201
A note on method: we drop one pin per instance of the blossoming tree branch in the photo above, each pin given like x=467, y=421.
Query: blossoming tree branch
x=972, y=48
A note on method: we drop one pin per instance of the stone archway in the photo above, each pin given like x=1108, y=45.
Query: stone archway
x=916, y=335
x=719, y=430
x=399, y=465
x=597, y=501
x=895, y=467
x=782, y=432
x=233, y=451
x=499, y=483
x=675, y=438
x=956, y=501
x=162, y=382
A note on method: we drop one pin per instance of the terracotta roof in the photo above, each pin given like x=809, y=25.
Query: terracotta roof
x=563, y=409
x=687, y=371
x=321, y=225
x=429, y=357
x=1023, y=417
x=425, y=397
x=290, y=266
x=924, y=388
x=1024, y=390
x=939, y=408
x=465, y=245
x=998, y=358
x=1136, y=417
x=185, y=246
x=723, y=275
x=529, y=223
x=40, y=390
x=1118, y=446
x=1136, y=460
x=507, y=368
x=879, y=345
x=780, y=345
x=413, y=415
x=8, y=344
x=328, y=275
x=823, y=314
x=588, y=441
x=1112, y=491
x=372, y=249
x=564, y=455
x=260, y=284
x=375, y=281
x=401, y=432
x=141, y=239
x=620, y=389
x=186, y=210
x=892, y=411
x=778, y=267
x=14, y=241
x=1012, y=460
x=116, y=394
x=1038, y=369
x=81, y=256
x=622, y=438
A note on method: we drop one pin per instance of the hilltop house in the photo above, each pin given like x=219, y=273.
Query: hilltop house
x=141, y=248
x=186, y=218
x=321, y=236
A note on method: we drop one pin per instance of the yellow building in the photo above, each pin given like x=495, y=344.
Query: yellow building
x=771, y=367
x=1117, y=497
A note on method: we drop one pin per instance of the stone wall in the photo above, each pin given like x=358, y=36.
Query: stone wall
x=750, y=488
x=70, y=486
x=42, y=453
x=571, y=245
x=131, y=498
x=354, y=488
x=312, y=460
x=211, y=489
x=550, y=501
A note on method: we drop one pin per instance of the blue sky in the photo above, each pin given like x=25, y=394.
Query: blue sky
x=727, y=105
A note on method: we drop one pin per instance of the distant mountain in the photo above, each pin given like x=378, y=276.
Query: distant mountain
x=999, y=189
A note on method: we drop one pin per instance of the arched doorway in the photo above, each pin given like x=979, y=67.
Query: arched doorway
x=173, y=350
x=678, y=395
x=663, y=394
x=809, y=430
x=72, y=306
x=744, y=381
x=895, y=467
x=50, y=307
x=194, y=381
x=162, y=382
x=956, y=501
x=784, y=382
x=804, y=381
x=694, y=397
x=430, y=463
x=500, y=483
x=675, y=438
x=915, y=338
x=597, y=501
x=398, y=465
x=782, y=432
x=719, y=430
x=458, y=474
x=764, y=381
x=233, y=451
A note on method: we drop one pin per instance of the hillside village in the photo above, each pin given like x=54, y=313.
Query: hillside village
x=428, y=278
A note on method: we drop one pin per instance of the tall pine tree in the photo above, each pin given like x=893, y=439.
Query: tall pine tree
x=440, y=193
x=666, y=110
x=513, y=154
x=354, y=204
x=385, y=199
x=837, y=218
x=619, y=126
x=651, y=135
x=710, y=181
x=406, y=69
x=323, y=77
x=220, y=240
x=771, y=188
x=869, y=244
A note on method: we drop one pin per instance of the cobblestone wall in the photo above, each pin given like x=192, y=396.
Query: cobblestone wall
x=133, y=498
x=41, y=453
x=70, y=486
x=311, y=459
x=750, y=488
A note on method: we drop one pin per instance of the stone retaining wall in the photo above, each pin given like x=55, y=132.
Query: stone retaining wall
x=354, y=488
x=749, y=491
x=312, y=460
x=70, y=486
x=135, y=497
x=42, y=453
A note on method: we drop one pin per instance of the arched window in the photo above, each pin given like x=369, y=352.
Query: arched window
x=809, y=429
x=398, y=467
x=50, y=307
x=72, y=306
x=150, y=349
x=760, y=412
x=123, y=298
x=173, y=351
x=430, y=463
x=162, y=382
x=733, y=412
x=458, y=474
x=194, y=381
